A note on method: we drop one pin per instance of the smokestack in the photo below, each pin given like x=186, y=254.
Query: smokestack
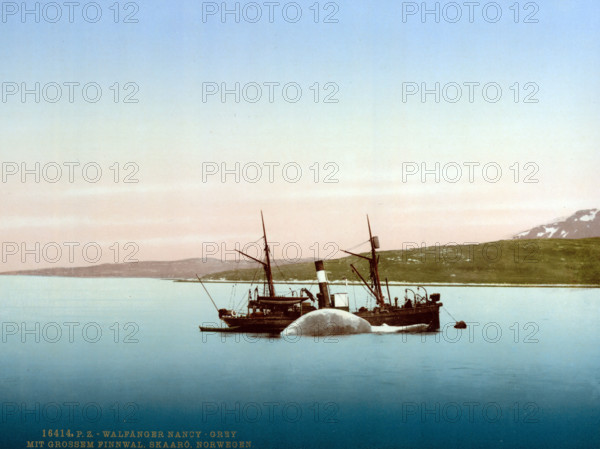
x=324, y=300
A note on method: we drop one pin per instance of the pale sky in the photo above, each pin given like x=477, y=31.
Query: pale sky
x=367, y=141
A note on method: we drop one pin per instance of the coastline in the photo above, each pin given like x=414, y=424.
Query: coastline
x=313, y=281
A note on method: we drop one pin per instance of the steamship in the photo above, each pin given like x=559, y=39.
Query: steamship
x=271, y=313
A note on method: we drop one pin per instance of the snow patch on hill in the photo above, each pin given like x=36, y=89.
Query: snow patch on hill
x=582, y=224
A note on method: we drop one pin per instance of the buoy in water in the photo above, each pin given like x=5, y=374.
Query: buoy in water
x=460, y=325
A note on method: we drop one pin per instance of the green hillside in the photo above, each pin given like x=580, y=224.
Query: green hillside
x=547, y=261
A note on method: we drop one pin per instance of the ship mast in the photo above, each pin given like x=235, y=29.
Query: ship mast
x=375, y=288
x=374, y=264
x=266, y=265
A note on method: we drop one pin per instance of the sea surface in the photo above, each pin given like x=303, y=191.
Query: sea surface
x=99, y=355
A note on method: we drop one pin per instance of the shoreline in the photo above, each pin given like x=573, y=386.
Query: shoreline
x=313, y=281
x=402, y=284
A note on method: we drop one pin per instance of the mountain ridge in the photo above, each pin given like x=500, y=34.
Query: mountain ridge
x=582, y=224
x=184, y=268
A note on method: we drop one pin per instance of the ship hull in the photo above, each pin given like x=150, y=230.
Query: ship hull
x=392, y=316
x=395, y=316
x=260, y=325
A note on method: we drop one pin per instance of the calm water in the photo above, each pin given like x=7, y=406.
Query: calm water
x=526, y=373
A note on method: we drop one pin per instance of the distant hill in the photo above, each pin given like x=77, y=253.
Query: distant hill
x=582, y=224
x=550, y=261
x=180, y=269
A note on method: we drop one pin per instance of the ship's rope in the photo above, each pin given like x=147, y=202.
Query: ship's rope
x=254, y=277
x=446, y=310
x=239, y=306
x=284, y=279
x=369, y=294
x=356, y=246
x=279, y=270
x=244, y=296
x=311, y=285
